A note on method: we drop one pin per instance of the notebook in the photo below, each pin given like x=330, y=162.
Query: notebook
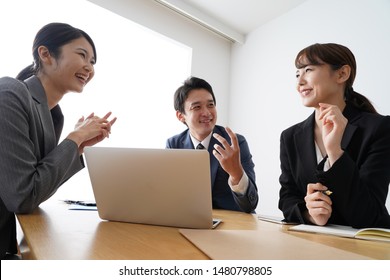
x=378, y=234
x=169, y=187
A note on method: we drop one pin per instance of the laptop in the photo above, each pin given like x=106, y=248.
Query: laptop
x=168, y=187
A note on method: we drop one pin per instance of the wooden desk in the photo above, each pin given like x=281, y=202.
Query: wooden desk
x=54, y=232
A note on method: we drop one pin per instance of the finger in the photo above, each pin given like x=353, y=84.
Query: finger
x=315, y=187
x=218, y=149
x=324, y=105
x=329, y=119
x=320, y=204
x=217, y=155
x=326, y=198
x=91, y=115
x=312, y=204
x=320, y=211
x=112, y=121
x=222, y=140
x=108, y=126
x=107, y=115
x=323, y=112
x=328, y=109
x=233, y=137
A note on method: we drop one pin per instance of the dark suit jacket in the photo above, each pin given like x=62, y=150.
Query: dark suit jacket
x=222, y=195
x=32, y=165
x=359, y=179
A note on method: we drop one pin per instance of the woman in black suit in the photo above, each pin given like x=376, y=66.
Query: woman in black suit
x=336, y=164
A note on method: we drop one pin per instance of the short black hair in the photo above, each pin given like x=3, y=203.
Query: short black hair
x=189, y=84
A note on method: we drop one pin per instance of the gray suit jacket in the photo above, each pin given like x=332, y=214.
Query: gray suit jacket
x=32, y=165
x=222, y=195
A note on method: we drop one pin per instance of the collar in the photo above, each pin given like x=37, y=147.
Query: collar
x=205, y=141
x=36, y=89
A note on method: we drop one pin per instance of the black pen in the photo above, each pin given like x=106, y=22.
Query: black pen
x=78, y=202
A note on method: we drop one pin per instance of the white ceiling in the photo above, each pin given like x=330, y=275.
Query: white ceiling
x=243, y=16
x=233, y=19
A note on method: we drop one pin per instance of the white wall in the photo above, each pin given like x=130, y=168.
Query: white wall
x=210, y=60
x=211, y=52
x=263, y=100
x=263, y=97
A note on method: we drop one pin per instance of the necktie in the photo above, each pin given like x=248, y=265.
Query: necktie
x=200, y=147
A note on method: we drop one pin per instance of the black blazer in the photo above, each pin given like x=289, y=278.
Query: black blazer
x=222, y=195
x=359, y=179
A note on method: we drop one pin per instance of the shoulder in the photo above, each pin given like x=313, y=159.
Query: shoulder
x=178, y=137
x=299, y=127
x=371, y=121
x=13, y=88
x=362, y=118
x=11, y=84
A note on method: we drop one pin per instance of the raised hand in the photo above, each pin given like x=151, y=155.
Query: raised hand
x=229, y=156
x=333, y=127
x=91, y=130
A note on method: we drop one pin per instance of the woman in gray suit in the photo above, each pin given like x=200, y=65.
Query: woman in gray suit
x=335, y=164
x=33, y=165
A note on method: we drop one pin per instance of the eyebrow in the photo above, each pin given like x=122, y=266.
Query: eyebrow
x=84, y=51
x=195, y=103
x=199, y=102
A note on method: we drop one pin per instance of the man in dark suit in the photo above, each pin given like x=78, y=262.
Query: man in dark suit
x=232, y=169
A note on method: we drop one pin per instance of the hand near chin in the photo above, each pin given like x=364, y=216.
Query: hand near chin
x=333, y=127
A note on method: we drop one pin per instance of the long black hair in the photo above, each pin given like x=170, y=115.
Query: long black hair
x=336, y=56
x=53, y=36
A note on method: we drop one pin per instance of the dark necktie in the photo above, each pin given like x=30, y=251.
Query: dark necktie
x=200, y=147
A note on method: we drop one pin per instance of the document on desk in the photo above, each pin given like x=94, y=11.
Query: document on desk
x=81, y=205
x=378, y=234
x=265, y=245
x=274, y=219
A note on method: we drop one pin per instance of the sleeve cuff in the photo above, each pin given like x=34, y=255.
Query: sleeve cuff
x=242, y=186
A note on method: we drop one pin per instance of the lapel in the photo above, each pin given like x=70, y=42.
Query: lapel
x=304, y=144
x=38, y=94
x=186, y=141
x=351, y=114
x=187, y=144
x=304, y=141
x=214, y=163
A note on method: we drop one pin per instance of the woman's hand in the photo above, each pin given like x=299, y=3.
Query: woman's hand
x=319, y=204
x=91, y=130
x=333, y=127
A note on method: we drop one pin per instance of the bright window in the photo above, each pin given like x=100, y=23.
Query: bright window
x=137, y=73
x=137, y=70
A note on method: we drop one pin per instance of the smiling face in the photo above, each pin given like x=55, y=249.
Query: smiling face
x=325, y=73
x=200, y=113
x=319, y=84
x=74, y=68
